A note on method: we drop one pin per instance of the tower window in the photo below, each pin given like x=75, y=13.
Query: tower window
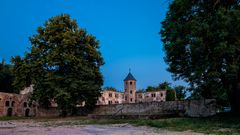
x=131, y=99
x=130, y=91
x=130, y=83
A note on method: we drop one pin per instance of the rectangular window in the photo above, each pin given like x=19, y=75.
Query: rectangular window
x=13, y=103
x=110, y=95
x=130, y=92
x=153, y=95
x=131, y=99
x=116, y=95
x=7, y=103
x=25, y=104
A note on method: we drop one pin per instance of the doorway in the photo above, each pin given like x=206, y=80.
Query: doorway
x=9, y=111
x=27, y=112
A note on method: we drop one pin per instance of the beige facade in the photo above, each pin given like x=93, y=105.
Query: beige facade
x=110, y=97
x=130, y=95
x=158, y=96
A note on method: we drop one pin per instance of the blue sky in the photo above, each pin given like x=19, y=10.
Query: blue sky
x=127, y=31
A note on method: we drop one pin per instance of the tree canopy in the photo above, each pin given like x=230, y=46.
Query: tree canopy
x=181, y=92
x=202, y=46
x=63, y=65
x=110, y=88
x=6, y=78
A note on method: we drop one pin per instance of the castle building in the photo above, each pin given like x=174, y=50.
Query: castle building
x=130, y=94
x=12, y=104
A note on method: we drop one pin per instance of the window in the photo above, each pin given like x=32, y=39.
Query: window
x=13, y=102
x=161, y=94
x=131, y=99
x=25, y=104
x=153, y=95
x=103, y=99
x=140, y=96
x=125, y=97
x=7, y=103
x=116, y=102
x=130, y=83
x=110, y=95
x=109, y=102
x=116, y=95
x=130, y=91
x=126, y=83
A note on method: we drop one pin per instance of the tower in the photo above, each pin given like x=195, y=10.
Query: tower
x=130, y=89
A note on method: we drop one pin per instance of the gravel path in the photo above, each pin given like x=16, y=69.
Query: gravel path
x=31, y=128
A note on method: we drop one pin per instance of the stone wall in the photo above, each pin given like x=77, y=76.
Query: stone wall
x=55, y=112
x=49, y=112
x=193, y=108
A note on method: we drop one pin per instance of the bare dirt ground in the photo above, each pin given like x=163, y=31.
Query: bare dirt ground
x=40, y=128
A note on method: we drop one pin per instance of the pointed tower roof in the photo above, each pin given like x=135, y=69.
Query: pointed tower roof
x=129, y=77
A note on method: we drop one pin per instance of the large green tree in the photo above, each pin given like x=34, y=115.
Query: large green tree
x=202, y=44
x=63, y=65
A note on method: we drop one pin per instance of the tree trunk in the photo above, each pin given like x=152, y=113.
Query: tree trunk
x=234, y=98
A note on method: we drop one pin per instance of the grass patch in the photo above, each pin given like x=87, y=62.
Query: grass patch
x=220, y=124
x=7, y=118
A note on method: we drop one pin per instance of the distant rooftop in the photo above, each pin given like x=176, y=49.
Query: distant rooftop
x=129, y=77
